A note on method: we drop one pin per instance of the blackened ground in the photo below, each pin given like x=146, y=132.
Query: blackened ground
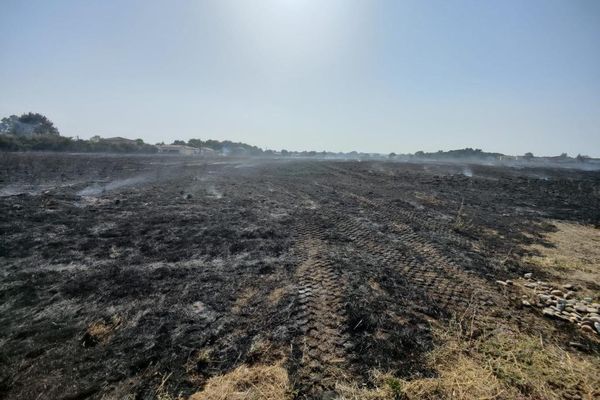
x=118, y=272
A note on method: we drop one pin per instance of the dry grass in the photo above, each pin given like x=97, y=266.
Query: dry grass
x=461, y=221
x=575, y=255
x=427, y=198
x=199, y=360
x=276, y=295
x=100, y=331
x=261, y=382
x=161, y=392
x=244, y=300
x=503, y=364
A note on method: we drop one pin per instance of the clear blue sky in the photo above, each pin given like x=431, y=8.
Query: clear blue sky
x=341, y=75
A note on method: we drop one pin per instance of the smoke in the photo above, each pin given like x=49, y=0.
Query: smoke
x=97, y=189
x=15, y=190
x=213, y=192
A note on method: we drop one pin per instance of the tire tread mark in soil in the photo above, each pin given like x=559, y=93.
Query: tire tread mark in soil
x=320, y=318
x=421, y=264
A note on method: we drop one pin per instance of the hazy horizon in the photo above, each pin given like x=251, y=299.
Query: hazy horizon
x=370, y=76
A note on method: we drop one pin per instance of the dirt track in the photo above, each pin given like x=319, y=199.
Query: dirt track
x=118, y=272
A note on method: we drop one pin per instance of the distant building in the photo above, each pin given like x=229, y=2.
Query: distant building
x=117, y=140
x=178, y=149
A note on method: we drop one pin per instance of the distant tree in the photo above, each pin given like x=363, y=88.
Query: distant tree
x=563, y=156
x=420, y=153
x=284, y=152
x=28, y=124
x=179, y=142
x=528, y=156
x=195, y=143
x=582, y=158
x=392, y=155
x=139, y=141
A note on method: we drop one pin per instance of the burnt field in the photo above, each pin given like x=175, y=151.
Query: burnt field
x=146, y=277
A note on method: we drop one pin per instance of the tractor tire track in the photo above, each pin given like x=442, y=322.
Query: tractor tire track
x=320, y=317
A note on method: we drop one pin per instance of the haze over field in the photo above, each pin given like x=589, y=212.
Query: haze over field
x=376, y=76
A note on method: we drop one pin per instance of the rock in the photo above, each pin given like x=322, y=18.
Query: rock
x=592, y=310
x=556, y=293
x=569, y=294
x=577, y=345
x=530, y=285
x=568, y=286
x=560, y=304
x=587, y=322
x=526, y=303
x=509, y=282
x=187, y=196
x=597, y=327
x=580, y=308
x=587, y=328
x=548, y=312
x=594, y=319
x=567, y=318
x=587, y=299
x=502, y=283
x=528, y=275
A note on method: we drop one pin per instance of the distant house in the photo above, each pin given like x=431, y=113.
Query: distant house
x=117, y=140
x=178, y=149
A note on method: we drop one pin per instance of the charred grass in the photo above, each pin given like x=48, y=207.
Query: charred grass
x=163, y=277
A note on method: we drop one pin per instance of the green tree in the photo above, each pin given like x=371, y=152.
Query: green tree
x=28, y=124
x=195, y=143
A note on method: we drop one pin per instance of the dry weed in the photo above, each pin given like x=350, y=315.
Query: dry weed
x=244, y=300
x=260, y=382
x=276, y=295
x=503, y=364
x=100, y=331
x=575, y=252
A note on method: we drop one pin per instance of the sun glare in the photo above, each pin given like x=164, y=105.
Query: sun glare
x=290, y=33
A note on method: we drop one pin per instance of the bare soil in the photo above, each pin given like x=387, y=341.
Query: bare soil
x=146, y=276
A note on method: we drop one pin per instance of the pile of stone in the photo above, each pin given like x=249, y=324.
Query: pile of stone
x=563, y=303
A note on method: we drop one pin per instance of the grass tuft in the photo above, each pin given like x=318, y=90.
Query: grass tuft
x=503, y=364
x=264, y=382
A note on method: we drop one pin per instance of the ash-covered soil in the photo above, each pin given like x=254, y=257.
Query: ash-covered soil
x=122, y=274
